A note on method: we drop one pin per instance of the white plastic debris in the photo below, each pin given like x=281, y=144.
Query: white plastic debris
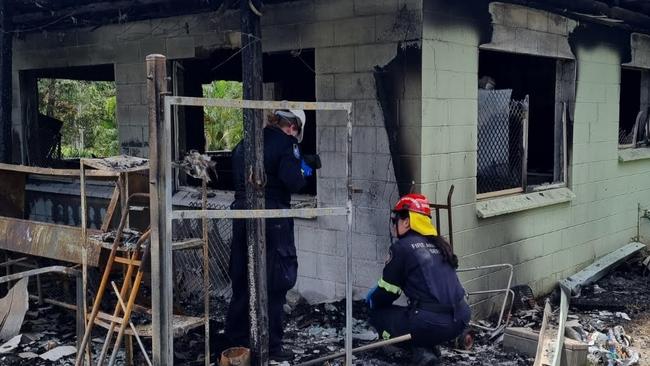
x=622, y=315
x=56, y=353
x=367, y=335
x=11, y=344
x=27, y=355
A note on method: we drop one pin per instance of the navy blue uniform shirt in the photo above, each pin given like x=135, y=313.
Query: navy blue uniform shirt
x=281, y=165
x=417, y=268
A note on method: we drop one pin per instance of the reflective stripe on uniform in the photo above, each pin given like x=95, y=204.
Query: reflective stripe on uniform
x=389, y=287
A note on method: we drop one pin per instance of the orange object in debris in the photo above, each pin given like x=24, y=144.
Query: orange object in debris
x=235, y=356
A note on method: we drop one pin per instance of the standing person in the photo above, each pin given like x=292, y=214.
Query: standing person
x=286, y=171
x=422, y=265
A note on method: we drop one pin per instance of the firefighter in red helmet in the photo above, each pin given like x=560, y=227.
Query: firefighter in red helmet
x=421, y=265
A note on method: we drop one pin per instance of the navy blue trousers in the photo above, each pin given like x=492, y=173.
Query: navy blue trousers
x=427, y=329
x=282, y=270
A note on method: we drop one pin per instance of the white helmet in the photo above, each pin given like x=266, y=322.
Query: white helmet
x=298, y=114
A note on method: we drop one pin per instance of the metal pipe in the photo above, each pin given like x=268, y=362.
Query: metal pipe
x=131, y=325
x=206, y=272
x=348, y=251
x=367, y=347
x=258, y=104
x=259, y=213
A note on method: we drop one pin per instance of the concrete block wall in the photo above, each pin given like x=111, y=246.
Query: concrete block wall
x=350, y=38
x=544, y=244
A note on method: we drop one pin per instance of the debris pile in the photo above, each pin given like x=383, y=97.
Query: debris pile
x=47, y=338
x=197, y=165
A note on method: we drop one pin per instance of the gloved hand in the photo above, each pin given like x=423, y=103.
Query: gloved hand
x=369, y=297
x=307, y=171
x=312, y=160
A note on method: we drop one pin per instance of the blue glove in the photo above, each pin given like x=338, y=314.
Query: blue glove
x=369, y=297
x=307, y=171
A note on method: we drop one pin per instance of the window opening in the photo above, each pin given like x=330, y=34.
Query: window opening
x=633, y=110
x=216, y=131
x=519, y=147
x=75, y=117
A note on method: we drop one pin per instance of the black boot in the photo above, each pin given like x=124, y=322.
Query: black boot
x=423, y=357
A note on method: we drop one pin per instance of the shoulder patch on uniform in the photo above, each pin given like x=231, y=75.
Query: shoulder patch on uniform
x=296, y=151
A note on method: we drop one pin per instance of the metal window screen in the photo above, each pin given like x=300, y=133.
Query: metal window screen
x=501, y=130
x=637, y=135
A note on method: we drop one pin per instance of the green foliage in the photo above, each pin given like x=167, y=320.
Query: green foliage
x=224, y=127
x=87, y=106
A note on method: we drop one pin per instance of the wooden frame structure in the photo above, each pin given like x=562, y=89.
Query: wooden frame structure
x=162, y=214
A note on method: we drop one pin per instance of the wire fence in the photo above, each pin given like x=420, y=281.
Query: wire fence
x=501, y=130
x=188, y=264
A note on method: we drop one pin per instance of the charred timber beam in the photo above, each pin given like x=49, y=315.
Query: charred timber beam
x=6, y=41
x=43, y=15
x=254, y=166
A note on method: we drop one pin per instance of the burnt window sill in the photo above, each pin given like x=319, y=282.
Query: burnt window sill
x=640, y=153
x=522, y=202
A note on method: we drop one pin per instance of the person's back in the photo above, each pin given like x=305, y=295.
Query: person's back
x=423, y=267
x=281, y=167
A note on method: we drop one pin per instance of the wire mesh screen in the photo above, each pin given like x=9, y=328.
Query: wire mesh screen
x=637, y=134
x=188, y=264
x=501, y=124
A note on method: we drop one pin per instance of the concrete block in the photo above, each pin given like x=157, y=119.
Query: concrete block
x=365, y=273
x=373, y=7
x=128, y=52
x=360, y=30
x=382, y=141
x=280, y=37
x=180, y=47
x=369, y=56
x=370, y=221
x=364, y=140
x=333, y=165
x=130, y=73
x=150, y=46
x=316, y=290
x=319, y=241
x=324, y=87
x=331, y=268
x=404, y=25
x=435, y=112
x=354, y=86
x=129, y=94
x=368, y=113
x=315, y=35
x=140, y=115
x=334, y=60
x=334, y=9
x=331, y=118
x=538, y=20
x=289, y=13
x=363, y=246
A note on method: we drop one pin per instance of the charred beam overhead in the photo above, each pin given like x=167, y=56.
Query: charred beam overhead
x=69, y=14
x=635, y=15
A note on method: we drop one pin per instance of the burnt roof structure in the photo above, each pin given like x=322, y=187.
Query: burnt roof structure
x=42, y=15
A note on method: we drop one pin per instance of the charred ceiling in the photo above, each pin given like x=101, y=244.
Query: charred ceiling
x=37, y=15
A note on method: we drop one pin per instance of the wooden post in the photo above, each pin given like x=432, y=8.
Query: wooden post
x=6, y=40
x=254, y=167
x=160, y=211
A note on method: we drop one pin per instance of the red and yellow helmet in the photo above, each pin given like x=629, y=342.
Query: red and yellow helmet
x=413, y=202
x=419, y=211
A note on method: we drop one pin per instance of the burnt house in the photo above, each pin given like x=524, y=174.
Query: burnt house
x=536, y=112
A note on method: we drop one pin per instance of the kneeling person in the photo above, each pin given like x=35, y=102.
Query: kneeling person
x=422, y=265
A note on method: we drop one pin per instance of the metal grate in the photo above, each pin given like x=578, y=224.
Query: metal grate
x=637, y=135
x=501, y=129
x=188, y=264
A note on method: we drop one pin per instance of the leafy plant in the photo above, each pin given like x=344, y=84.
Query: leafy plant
x=84, y=107
x=224, y=127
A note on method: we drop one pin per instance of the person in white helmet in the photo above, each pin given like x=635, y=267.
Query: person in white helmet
x=286, y=170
